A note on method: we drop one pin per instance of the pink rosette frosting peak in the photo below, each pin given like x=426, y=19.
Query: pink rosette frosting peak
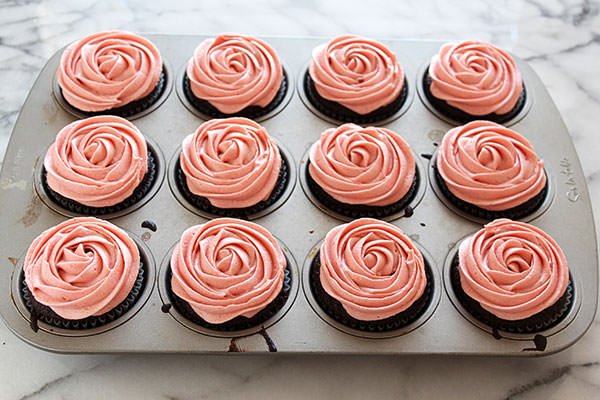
x=97, y=161
x=108, y=70
x=476, y=77
x=360, y=74
x=513, y=269
x=81, y=267
x=371, y=166
x=372, y=268
x=490, y=166
x=232, y=162
x=235, y=71
x=227, y=268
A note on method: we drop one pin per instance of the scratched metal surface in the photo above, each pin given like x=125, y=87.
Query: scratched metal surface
x=300, y=327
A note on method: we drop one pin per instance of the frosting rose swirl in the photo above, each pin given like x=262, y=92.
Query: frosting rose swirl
x=372, y=268
x=108, y=70
x=227, y=268
x=490, y=166
x=232, y=162
x=358, y=73
x=513, y=269
x=234, y=71
x=97, y=161
x=81, y=267
x=475, y=77
x=355, y=165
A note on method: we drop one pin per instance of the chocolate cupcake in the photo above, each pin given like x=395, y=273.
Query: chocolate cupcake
x=112, y=72
x=513, y=277
x=228, y=275
x=235, y=75
x=369, y=276
x=474, y=80
x=81, y=274
x=490, y=171
x=231, y=167
x=362, y=172
x=98, y=165
x=354, y=79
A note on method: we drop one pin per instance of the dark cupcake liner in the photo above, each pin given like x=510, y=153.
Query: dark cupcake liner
x=335, y=310
x=541, y=321
x=203, y=204
x=240, y=322
x=134, y=107
x=140, y=191
x=251, y=112
x=359, y=210
x=520, y=211
x=338, y=112
x=463, y=117
x=42, y=313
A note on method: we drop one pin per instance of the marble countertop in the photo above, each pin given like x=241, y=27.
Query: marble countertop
x=559, y=38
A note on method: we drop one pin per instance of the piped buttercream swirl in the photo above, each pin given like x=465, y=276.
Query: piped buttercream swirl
x=81, y=267
x=97, y=161
x=371, y=166
x=108, y=70
x=475, y=77
x=235, y=71
x=513, y=269
x=372, y=268
x=227, y=268
x=490, y=166
x=360, y=74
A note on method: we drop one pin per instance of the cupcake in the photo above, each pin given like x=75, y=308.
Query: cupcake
x=231, y=167
x=513, y=277
x=227, y=275
x=490, y=171
x=112, y=72
x=474, y=80
x=81, y=274
x=368, y=275
x=234, y=75
x=362, y=172
x=354, y=79
x=98, y=165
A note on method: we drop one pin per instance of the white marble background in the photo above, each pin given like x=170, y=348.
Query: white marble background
x=560, y=38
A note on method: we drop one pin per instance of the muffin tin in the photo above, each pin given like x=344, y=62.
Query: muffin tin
x=300, y=327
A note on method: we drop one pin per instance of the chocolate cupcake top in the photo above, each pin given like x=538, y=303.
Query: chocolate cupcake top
x=232, y=162
x=475, y=77
x=490, y=166
x=235, y=71
x=513, y=269
x=372, y=268
x=81, y=267
x=355, y=165
x=227, y=268
x=108, y=70
x=360, y=74
x=97, y=161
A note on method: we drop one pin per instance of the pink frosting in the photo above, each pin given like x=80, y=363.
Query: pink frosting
x=97, y=161
x=358, y=73
x=475, y=77
x=232, y=162
x=355, y=165
x=490, y=166
x=81, y=267
x=513, y=269
x=372, y=268
x=108, y=70
x=227, y=268
x=234, y=71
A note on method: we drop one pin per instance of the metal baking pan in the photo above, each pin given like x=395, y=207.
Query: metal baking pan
x=301, y=327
